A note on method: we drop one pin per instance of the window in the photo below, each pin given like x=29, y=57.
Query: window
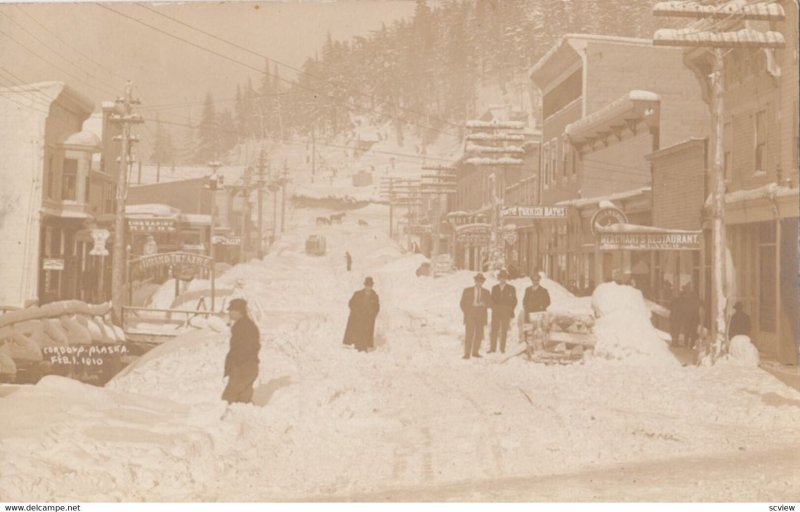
x=565, y=151
x=546, y=163
x=69, y=178
x=50, y=176
x=761, y=141
x=109, y=198
x=575, y=157
x=553, y=159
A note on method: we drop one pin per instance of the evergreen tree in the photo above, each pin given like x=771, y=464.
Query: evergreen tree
x=208, y=135
x=163, y=148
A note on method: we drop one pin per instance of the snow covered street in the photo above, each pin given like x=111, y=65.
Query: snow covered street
x=410, y=421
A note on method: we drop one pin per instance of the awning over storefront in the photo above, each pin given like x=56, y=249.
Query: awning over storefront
x=623, y=113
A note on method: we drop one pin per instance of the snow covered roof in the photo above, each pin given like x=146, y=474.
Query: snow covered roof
x=153, y=209
x=637, y=228
x=196, y=218
x=768, y=191
x=617, y=196
x=492, y=149
x=475, y=160
x=483, y=136
x=495, y=124
x=633, y=105
x=753, y=11
x=83, y=139
x=744, y=38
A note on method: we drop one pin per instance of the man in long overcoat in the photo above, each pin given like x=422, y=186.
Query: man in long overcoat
x=536, y=298
x=504, y=300
x=241, y=363
x=475, y=300
x=364, y=308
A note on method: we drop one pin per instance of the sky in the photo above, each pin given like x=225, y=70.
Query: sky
x=94, y=49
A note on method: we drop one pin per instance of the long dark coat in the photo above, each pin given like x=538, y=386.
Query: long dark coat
x=364, y=308
x=503, y=302
x=241, y=363
x=535, y=300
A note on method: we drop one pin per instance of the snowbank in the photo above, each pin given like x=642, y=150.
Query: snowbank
x=623, y=328
x=743, y=352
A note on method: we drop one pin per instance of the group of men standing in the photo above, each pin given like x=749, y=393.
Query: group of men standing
x=476, y=301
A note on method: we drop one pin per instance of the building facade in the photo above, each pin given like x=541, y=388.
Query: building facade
x=55, y=190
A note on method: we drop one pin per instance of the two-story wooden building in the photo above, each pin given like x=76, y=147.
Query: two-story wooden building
x=607, y=103
x=54, y=190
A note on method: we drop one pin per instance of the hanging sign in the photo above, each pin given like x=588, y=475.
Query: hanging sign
x=100, y=236
x=181, y=263
x=474, y=234
x=533, y=212
x=605, y=217
x=632, y=241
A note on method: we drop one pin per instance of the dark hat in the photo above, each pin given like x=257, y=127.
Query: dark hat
x=238, y=305
x=479, y=277
x=369, y=281
x=502, y=274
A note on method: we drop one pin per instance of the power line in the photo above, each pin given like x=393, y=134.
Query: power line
x=56, y=66
x=35, y=95
x=68, y=45
x=244, y=64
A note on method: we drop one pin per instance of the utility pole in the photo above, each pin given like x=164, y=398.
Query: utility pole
x=284, y=181
x=123, y=114
x=713, y=37
x=261, y=182
x=215, y=182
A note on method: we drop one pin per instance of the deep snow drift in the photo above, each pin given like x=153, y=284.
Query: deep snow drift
x=329, y=421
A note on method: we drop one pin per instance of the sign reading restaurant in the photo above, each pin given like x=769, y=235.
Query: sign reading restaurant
x=650, y=241
x=534, y=212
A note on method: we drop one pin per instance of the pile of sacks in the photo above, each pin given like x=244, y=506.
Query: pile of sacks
x=25, y=334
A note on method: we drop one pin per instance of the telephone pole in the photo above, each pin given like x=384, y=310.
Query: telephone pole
x=712, y=37
x=261, y=182
x=123, y=114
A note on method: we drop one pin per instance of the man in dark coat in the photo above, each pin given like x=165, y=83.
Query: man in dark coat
x=364, y=308
x=504, y=300
x=241, y=363
x=474, y=302
x=691, y=321
x=536, y=298
x=740, y=322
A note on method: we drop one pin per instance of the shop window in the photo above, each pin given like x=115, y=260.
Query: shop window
x=69, y=179
x=760, y=141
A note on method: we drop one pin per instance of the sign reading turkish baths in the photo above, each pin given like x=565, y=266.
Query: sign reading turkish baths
x=633, y=241
x=151, y=225
x=182, y=264
x=534, y=212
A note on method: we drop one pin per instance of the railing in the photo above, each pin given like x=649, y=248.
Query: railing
x=153, y=324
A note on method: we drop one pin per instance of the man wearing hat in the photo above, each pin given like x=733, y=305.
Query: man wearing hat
x=474, y=302
x=740, y=322
x=364, y=308
x=504, y=300
x=241, y=363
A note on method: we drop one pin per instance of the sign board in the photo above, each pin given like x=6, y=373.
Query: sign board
x=153, y=225
x=442, y=264
x=605, y=217
x=182, y=264
x=100, y=236
x=227, y=240
x=53, y=264
x=650, y=241
x=534, y=212
x=473, y=234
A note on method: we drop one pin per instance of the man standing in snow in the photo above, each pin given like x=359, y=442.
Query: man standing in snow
x=241, y=363
x=504, y=300
x=474, y=302
x=364, y=308
x=349, y=260
x=740, y=322
x=536, y=298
